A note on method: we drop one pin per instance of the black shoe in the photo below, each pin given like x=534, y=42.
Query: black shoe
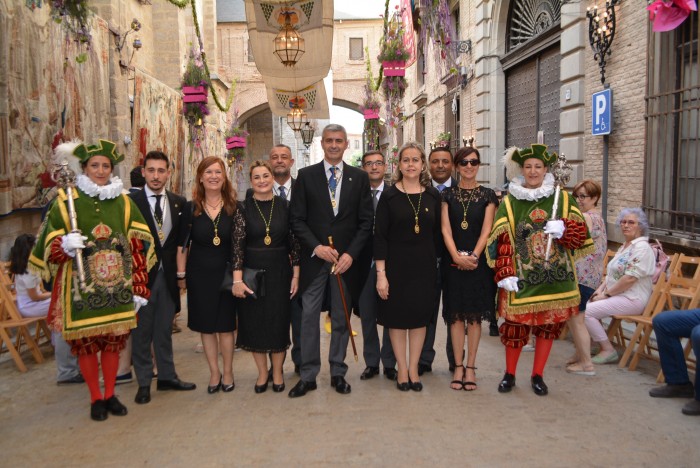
x=175, y=384
x=415, y=386
x=115, y=406
x=423, y=368
x=673, y=391
x=538, y=385
x=297, y=369
x=260, y=388
x=493, y=329
x=403, y=386
x=98, y=410
x=301, y=388
x=143, y=395
x=507, y=383
x=76, y=379
x=226, y=388
x=214, y=388
x=341, y=386
x=277, y=388
x=369, y=372
x=390, y=373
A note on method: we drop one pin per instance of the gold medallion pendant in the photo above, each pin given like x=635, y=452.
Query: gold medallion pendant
x=161, y=236
x=216, y=240
x=268, y=240
x=333, y=203
x=417, y=229
x=464, y=225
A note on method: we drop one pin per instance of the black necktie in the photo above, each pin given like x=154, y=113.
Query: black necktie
x=158, y=211
x=375, y=200
x=283, y=193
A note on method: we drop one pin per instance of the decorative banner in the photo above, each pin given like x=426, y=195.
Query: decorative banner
x=409, y=40
x=311, y=100
x=312, y=19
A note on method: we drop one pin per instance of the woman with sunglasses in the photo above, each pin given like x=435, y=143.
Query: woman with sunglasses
x=627, y=286
x=467, y=217
x=589, y=271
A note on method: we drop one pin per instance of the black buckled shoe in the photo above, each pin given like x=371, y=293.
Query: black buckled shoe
x=507, y=383
x=98, y=410
x=115, y=406
x=538, y=385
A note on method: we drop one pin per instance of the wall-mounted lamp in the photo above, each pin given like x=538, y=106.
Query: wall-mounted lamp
x=601, y=32
x=121, y=41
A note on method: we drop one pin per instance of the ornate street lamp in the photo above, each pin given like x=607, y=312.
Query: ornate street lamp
x=307, y=134
x=289, y=45
x=601, y=32
x=296, y=118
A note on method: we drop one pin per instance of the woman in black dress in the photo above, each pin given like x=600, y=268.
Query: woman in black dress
x=406, y=236
x=212, y=222
x=467, y=217
x=263, y=323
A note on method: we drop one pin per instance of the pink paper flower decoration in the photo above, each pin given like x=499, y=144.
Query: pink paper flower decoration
x=667, y=15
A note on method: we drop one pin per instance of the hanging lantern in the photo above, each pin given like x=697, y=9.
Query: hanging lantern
x=307, y=134
x=296, y=118
x=289, y=45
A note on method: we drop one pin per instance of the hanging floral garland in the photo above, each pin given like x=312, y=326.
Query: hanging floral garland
x=393, y=55
x=436, y=27
x=74, y=16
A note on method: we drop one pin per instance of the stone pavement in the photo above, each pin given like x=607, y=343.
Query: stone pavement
x=606, y=420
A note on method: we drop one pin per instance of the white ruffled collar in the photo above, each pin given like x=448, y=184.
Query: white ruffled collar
x=520, y=192
x=105, y=192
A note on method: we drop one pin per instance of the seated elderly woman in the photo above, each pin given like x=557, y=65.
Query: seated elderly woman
x=627, y=286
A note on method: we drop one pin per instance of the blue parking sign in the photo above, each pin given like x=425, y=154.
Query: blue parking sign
x=602, y=112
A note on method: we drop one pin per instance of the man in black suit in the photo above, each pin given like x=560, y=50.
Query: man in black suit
x=330, y=199
x=374, y=165
x=162, y=211
x=441, y=168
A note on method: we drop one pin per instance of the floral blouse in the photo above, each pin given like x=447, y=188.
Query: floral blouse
x=589, y=269
x=637, y=260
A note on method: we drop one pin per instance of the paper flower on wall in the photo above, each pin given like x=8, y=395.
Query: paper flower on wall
x=667, y=15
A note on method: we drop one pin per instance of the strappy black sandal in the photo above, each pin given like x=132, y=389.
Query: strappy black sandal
x=465, y=384
x=459, y=382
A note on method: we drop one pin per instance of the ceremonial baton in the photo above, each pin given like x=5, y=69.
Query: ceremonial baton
x=561, y=170
x=345, y=305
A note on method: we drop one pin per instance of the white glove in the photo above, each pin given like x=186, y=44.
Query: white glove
x=556, y=228
x=139, y=302
x=71, y=242
x=509, y=284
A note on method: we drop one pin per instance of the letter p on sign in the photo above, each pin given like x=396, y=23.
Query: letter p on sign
x=602, y=115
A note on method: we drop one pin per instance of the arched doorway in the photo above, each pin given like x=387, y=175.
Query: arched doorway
x=532, y=68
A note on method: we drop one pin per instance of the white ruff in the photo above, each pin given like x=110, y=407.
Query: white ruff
x=105, y=192
x=522, y=193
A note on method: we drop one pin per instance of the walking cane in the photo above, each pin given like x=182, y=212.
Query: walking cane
x=345, y=305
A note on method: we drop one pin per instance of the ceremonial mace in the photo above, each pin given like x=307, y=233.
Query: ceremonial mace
x=65, y=178
x=561, y=170
x=345, y=305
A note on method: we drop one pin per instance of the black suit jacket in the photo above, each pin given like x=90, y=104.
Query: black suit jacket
x=312, y=219
x=165, y=252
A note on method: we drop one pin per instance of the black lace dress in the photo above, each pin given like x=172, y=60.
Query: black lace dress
x=263, y=323
x=471, y=294
x=208, y=309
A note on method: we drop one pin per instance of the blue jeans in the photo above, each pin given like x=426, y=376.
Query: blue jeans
x=669, y=327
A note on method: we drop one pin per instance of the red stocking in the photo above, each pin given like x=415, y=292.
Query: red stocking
x=110, y=366
x=91, y=374
x=542, y=348
x=512, y=356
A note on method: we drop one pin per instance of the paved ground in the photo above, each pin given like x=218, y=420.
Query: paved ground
x=607, y=420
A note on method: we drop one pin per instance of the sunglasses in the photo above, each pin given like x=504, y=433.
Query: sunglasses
x=467, y=162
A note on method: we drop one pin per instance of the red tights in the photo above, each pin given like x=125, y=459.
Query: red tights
x=542, y=348
x=91, y=373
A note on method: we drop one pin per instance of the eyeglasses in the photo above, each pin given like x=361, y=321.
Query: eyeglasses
x=467, y=162
x=581, y=196
x=373, y=163
x=626, y=221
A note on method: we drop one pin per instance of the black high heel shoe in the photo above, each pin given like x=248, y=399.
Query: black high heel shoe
x=227, y=388
x=403, y=386
x=261, y=388
x=415, y=386
x=277, y=388
x=215, y=388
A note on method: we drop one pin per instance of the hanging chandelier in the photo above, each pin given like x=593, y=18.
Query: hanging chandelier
x=307, y=134
x=296, y=118
x=289, y=45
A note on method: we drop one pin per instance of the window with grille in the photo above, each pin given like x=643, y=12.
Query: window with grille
x=672, y=170
x=356, y=49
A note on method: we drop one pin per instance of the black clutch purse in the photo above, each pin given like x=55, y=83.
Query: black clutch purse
x=254, y=278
